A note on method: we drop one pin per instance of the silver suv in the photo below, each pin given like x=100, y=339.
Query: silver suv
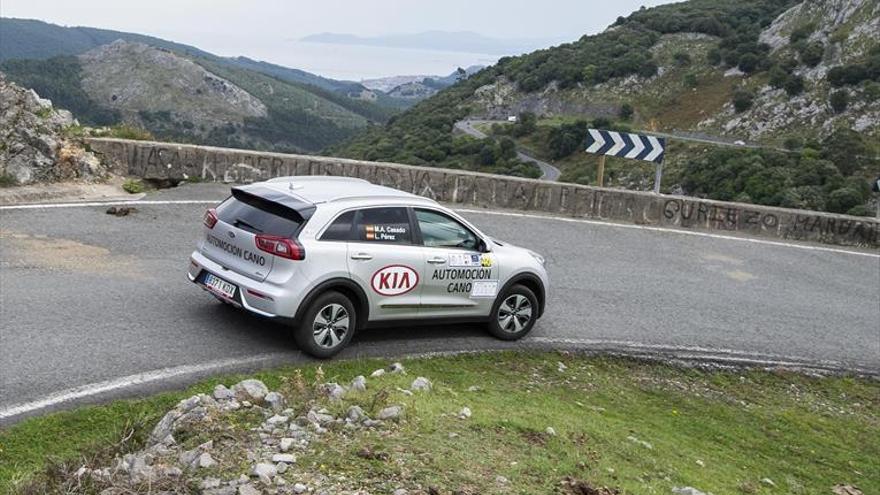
x=335, y=255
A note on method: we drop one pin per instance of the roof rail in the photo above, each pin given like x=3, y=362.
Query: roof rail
x=398, y=197
x=316, y=178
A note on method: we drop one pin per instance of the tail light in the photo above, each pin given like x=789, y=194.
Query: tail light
x=281, y=246
x=210, y=218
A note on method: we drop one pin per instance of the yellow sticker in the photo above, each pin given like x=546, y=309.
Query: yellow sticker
x=485, y=261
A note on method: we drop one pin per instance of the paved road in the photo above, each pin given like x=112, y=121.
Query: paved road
x=548, y=171
x=87, y=298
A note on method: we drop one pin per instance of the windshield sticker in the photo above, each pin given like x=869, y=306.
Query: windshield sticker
x=464, y=259
x=487, y=288
x=394, y=280
x=390, y=233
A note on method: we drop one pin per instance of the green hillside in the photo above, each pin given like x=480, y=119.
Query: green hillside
x=731, y=70
x=303, y=112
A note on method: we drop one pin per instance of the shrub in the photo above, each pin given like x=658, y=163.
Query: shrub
x=872, y=91
x=839, y=100
x=793, y=143
x=7, y=180
x=842, y=200
x=133, y=186
x=742, y=100
x=125, y=131
x=778, y=77
x=812, y=53
x=626, y=111
x=681, y=59
x=794, y=85
x=802, y=32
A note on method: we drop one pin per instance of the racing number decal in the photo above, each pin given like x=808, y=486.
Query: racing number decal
x=394, y=280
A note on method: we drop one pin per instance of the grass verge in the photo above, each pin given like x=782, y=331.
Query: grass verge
x=632, y=426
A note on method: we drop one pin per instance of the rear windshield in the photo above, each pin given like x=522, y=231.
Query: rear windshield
x=259, y=216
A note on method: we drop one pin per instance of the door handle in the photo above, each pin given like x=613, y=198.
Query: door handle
x=361, y=256
x=437, y=261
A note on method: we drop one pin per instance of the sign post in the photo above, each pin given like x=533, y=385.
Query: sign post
x=626, y=145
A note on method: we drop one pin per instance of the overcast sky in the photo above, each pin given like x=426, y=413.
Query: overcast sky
x=250, y=28
x=200, y=21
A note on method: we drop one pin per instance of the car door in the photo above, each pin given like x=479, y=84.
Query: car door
x=384, y=260
x=458, y=278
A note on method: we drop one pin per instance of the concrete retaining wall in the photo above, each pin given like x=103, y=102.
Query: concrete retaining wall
x=152, y=160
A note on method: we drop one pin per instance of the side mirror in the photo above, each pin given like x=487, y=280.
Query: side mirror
x=482, y=246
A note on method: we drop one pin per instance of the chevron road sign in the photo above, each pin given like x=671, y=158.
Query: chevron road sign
x=626, y=145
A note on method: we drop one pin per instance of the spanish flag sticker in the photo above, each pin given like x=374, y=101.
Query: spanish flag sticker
x=370, y=232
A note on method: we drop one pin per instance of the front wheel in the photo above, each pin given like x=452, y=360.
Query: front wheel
x=514, y=313
x=326, y=326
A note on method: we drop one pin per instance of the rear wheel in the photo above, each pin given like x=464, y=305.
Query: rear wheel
x=514, y=313
x=326, y=326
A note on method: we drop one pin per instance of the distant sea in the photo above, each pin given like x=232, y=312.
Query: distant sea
x=349, y=62
x=357, y=62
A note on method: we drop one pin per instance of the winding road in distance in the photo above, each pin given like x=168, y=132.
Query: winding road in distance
x=95, y=306
x=548, y=171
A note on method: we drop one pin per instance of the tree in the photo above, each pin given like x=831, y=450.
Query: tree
x=507, y=149
x=748, y=63
x=626, y=111
x=839, y=100
x=742, y=100
x=848, y=150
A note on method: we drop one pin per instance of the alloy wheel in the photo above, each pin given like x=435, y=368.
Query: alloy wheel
x=514, y=313
x=330, y=325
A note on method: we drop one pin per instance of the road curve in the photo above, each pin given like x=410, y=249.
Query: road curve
x=548, y=171
x=94, y=306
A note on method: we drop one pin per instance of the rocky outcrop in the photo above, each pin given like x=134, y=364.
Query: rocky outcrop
x=846, y=29
x=33, y=147
x=138, y=79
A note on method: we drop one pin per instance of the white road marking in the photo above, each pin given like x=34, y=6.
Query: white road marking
x=110, y=203
x=685, y=352
x=93, y=389
x=671, y=231
x=807, y=247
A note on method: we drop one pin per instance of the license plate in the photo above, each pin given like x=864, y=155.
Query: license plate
x=220, y=286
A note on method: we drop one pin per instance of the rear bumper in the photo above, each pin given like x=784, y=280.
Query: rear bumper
x=261, y=298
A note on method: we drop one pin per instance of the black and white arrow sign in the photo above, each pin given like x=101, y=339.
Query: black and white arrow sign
x=626, y=145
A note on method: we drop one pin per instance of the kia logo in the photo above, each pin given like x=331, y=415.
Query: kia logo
x=394, y=280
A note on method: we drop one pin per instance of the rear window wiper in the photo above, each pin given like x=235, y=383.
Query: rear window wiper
x=242, y=223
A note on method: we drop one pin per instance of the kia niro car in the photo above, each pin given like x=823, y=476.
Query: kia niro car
x=334, y=255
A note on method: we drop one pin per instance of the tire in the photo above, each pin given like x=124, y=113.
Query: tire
x=318, y=332
x=514, y=313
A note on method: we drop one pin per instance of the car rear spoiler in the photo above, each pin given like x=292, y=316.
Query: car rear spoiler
x=275, y=202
